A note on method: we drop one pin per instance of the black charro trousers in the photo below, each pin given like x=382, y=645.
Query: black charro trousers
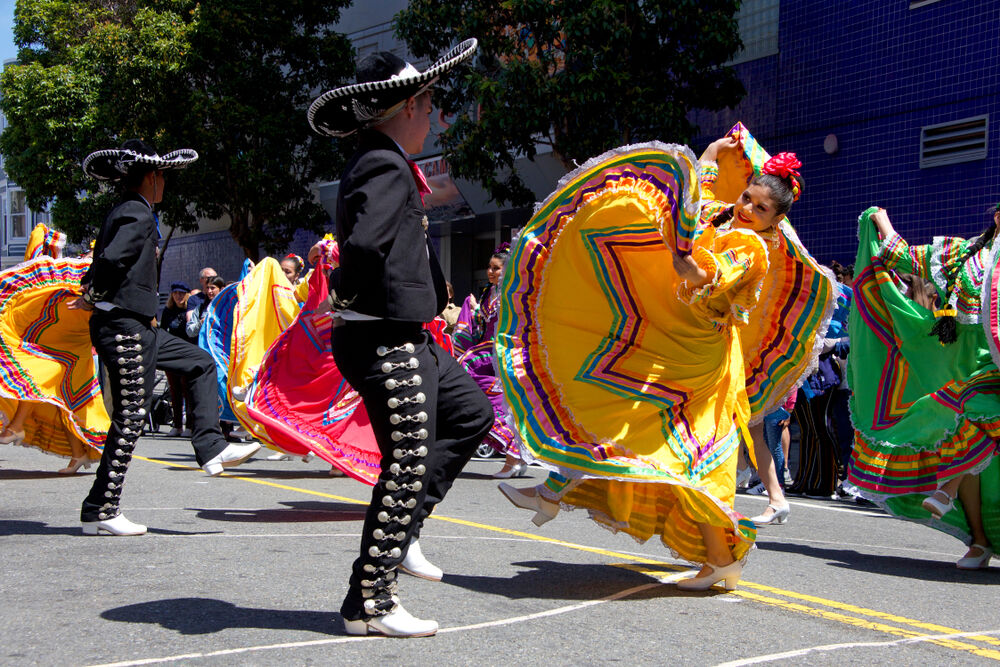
x=131, y=349
x=428, y=416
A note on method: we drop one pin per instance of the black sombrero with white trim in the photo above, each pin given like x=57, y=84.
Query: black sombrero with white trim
x=385, y=82
x=114, y=164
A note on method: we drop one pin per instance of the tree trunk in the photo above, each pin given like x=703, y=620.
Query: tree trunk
x=245, y=236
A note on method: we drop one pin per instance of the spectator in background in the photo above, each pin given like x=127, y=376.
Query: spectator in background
x=210, y=290
x=174, y=320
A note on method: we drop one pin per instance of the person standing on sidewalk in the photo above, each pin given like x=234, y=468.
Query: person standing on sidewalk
x=427, y=414
x=120, y=289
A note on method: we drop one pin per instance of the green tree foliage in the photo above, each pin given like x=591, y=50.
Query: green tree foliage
x=229, y=78
x=581, y=76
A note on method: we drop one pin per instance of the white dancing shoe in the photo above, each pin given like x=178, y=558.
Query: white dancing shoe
x=743, y=477
x=976, y=562
x=397, y=623
x=937, y=508
x=417, y=565
x=232, y=455
x=516, y=470
x=116, y=526
x=780, y=516
x=531, y=499
x=74, y=465
x=279, y=456
x=728, y=574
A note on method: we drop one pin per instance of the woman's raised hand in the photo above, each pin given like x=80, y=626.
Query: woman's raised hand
x=719, y=146
x=880, y=219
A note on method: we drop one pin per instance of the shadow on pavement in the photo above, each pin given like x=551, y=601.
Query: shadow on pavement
x=255, y=473
x=548, y=580
x=35, y=474
x=893, y=566
x=10, y=527
x=297, y=512
x=202, y=616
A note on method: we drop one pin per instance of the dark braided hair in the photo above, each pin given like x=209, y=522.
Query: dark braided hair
x=945, y=326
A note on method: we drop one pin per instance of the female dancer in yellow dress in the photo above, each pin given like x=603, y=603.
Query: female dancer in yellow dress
x=628, y=371
x=50, y=397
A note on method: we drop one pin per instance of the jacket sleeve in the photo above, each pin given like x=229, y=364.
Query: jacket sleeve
x=375, y=206
x=123, y=247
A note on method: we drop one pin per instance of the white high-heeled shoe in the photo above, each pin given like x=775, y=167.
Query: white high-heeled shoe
x=417, y=565
x=516, y=470
x=780, y=516
x=397, y=623
x=531, y=499
x=937, y=508
x=729, y=574
x=116, y=526
x=976, y=562
x=74, y=465
x=279, y=456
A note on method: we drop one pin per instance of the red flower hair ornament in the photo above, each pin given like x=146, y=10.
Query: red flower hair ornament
x=784, y=165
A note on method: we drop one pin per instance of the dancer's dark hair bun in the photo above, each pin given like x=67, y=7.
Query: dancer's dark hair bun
x=945, y=325
x=780, y=176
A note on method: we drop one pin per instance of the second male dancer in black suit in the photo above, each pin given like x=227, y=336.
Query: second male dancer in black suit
x=428, y=415
x=120, y=289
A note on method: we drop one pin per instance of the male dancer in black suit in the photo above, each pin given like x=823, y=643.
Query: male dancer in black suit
x=428, y=415
x=121, y=289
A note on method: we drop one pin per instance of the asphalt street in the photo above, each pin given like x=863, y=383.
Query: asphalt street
x=250, y=569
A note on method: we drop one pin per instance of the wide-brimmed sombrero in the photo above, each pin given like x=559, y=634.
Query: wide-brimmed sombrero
x=113, y=164
x=384, y=83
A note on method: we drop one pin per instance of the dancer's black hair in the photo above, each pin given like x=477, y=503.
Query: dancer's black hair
x=782, y=189
x=945, y=326
x=503, y=254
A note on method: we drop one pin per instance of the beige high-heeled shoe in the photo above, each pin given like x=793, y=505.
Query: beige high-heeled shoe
x=14, y=437
x=74, y=465
x=729, y=574
x=531, y=499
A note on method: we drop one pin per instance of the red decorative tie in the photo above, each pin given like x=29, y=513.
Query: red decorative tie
x=421, y=180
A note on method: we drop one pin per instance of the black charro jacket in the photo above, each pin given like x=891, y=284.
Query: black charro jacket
x=124, y=268
x=388, y=267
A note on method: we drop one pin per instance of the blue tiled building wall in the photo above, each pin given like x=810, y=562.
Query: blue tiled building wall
x=873, y=72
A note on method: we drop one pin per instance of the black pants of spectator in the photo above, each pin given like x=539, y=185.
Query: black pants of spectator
x=180, y=398
x=131, y=349
x=840, y=420
x=428, y=415
x=818, y=452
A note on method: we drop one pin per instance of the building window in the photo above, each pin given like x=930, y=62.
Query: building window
x=917, y=4
x=18, y=215
x=758, y=20
x=950, y=143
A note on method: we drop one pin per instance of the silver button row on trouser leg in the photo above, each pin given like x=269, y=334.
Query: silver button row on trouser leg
x=400, y=482
x=130, y=415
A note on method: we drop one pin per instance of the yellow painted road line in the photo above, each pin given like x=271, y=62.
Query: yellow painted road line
x=791, y=606
x=869, y=625
x=868, y=612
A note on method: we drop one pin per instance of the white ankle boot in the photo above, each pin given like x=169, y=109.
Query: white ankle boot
x=416, y=564
x=116, y=526
x=397, y=623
